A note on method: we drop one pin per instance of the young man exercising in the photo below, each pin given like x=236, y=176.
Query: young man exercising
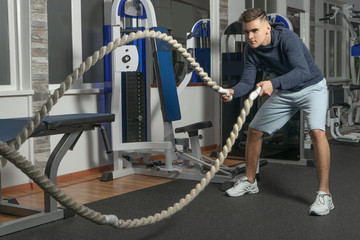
x=297, y=84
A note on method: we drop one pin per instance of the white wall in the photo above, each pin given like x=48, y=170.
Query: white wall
x=235, y=8
x=297, y=4
x=196, y=104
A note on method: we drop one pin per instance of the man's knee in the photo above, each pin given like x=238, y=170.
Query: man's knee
x=317, y=135
x=253, y=133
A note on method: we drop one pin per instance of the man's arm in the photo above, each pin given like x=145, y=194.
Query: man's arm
x=299, y=72
x=248, y=77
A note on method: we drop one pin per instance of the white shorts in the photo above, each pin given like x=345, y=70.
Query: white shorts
x=282, y=105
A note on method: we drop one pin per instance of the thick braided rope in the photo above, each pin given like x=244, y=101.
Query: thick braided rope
x=9, y=150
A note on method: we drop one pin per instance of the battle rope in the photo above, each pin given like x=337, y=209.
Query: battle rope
x=9, y=150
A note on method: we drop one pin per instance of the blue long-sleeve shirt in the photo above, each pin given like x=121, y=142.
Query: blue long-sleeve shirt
x=286, y=58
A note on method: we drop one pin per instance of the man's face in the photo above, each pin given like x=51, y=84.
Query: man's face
x=257, y=33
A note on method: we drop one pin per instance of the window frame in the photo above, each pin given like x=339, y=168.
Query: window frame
x=19, y=49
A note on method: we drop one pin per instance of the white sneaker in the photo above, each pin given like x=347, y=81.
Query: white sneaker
x=243, y=186
x=322, y=206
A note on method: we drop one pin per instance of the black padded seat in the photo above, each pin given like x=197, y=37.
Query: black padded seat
x=57, y=124
x=192, y=129
x=345, y=105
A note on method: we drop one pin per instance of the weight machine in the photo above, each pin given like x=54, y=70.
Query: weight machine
x=132, y=71
x=342, y=115
x=198, y=44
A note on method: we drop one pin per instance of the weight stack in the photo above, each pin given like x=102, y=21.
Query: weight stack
x=134, y=107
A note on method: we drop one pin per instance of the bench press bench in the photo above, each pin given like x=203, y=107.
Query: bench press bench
x=71, y=126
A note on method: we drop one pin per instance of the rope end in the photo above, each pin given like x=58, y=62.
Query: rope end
x=255, y=94
x=113, y=221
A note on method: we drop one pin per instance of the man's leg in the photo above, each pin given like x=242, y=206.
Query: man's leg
x=322, y=158
x=267, y=119
x=248, y=184
x=323, y=203
x=252, y=152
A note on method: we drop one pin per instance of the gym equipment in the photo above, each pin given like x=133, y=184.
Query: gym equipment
x=131, y=68
x=131, y=138
x=338, y=110
x=232, y=48
x=345, y=116
x=11, y=154
x=71, y=126
x=198, y=44
x=180, y=162
x=276, y=18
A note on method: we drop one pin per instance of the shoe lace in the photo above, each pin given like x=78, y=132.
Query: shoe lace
x=240, y=181
x=321, y=199
x=237, y=183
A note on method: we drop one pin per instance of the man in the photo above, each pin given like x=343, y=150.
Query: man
x=297, y=84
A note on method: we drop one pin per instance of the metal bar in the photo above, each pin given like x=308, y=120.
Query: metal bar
x=205, y=163
x=52, y=166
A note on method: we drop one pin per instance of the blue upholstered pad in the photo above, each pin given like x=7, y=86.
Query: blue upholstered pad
x=355, y=50
x=9, y=128
x=168, y=87
x=166, y=79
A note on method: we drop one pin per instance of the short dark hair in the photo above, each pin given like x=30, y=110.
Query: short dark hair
x=253, y=14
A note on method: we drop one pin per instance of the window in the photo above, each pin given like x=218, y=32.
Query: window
x=75, y=33
x=4, y=44
x=92, y=37
x=60, y=44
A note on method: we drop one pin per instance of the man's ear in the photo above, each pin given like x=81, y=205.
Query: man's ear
x=268, y=27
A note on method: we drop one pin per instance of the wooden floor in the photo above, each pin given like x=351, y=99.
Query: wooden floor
x=87, y=189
